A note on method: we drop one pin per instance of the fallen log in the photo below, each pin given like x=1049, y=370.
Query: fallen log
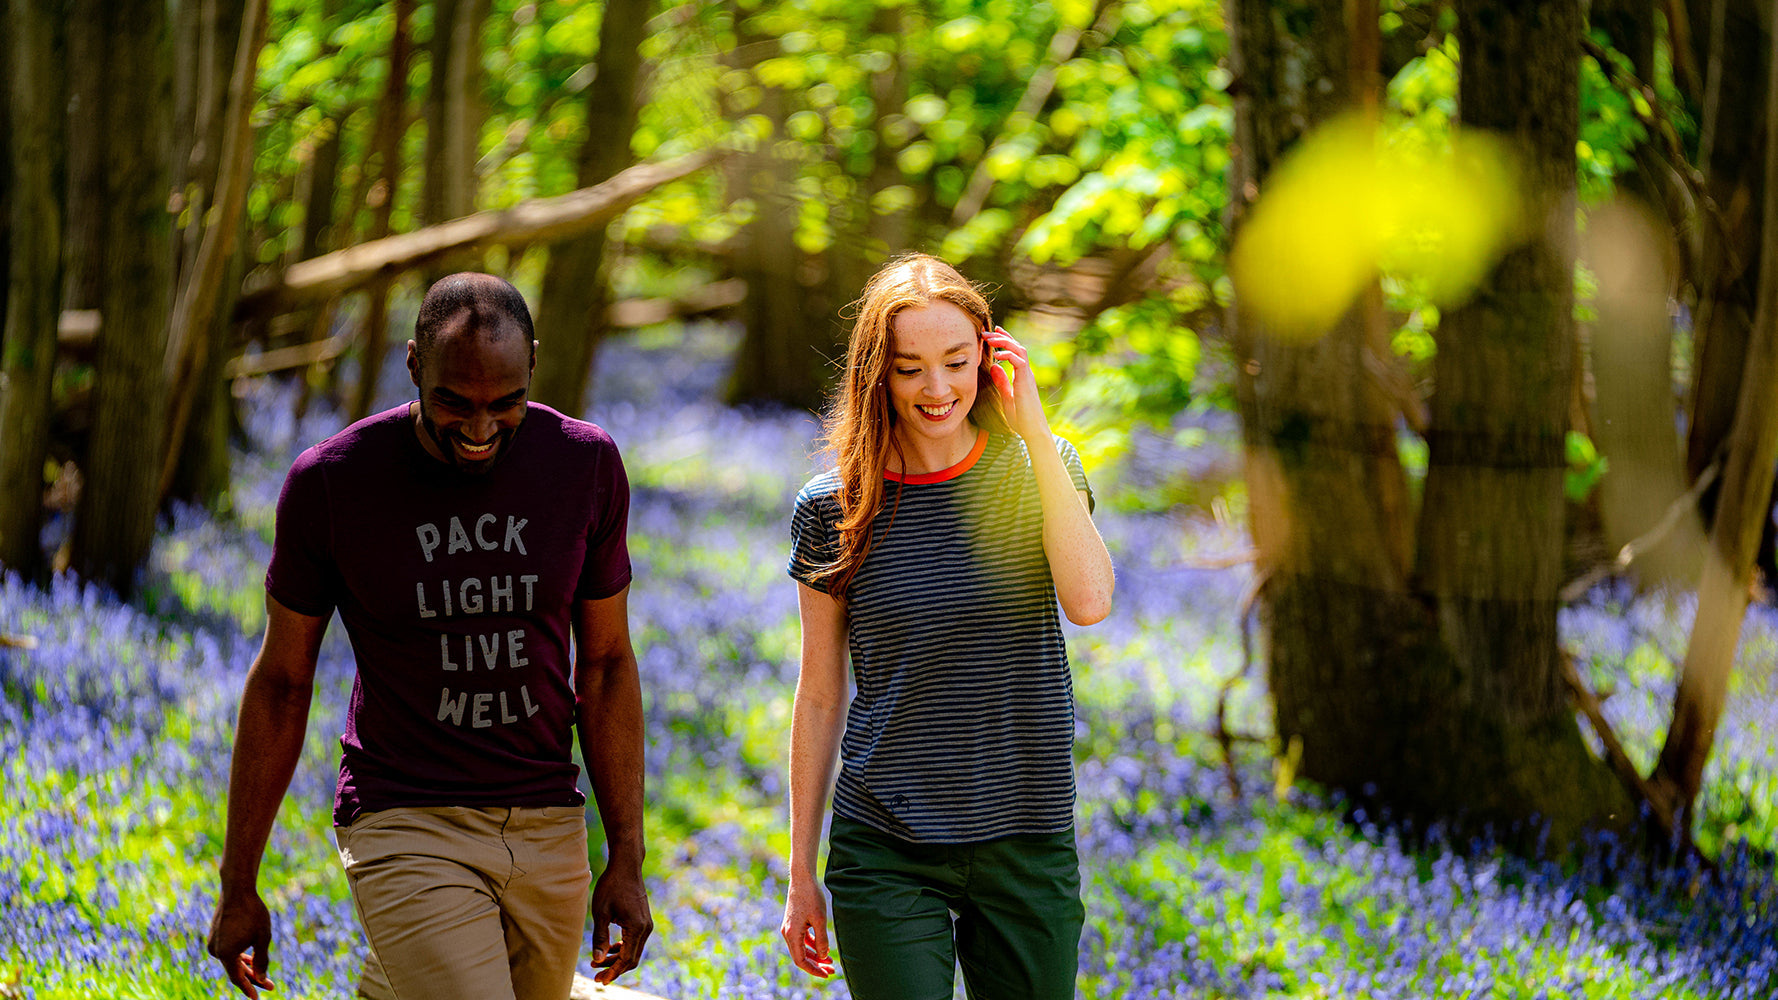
x=282, y=358
x=543, y=220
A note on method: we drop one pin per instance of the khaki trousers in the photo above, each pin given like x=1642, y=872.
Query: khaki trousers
x=465, y=903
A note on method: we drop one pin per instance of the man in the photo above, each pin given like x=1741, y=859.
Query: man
x=462, y=537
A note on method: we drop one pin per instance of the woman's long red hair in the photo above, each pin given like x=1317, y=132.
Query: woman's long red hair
x=860, y=423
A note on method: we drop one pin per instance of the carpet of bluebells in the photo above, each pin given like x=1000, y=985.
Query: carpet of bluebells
x=116, y=721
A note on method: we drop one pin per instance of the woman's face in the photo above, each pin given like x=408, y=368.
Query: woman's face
x=935, y=350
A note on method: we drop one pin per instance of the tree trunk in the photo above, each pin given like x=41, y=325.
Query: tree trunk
x=783, y=355
x=1435, y=694
x=1491, y=531
x=84, y=244
x=114, y=526
x=1315, y=461
x=1631, y=256
x=196, y=337
x=1741, y=518
x=571, y=310
x=374, y=338
x=453, y=109
x=1732, y=116
x=35, y=63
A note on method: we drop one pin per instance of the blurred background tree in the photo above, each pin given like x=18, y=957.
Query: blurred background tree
x=1489, y=417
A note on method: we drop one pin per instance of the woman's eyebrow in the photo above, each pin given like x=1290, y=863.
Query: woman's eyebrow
x=949, y=350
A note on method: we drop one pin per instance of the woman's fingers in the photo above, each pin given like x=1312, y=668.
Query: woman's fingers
x=1003, y=341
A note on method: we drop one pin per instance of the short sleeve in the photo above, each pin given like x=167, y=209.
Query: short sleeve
x=303, y=575
x=1076, y=472
x=606, y=569
x=814, y=542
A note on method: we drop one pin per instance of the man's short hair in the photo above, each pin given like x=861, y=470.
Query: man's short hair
x=489, y=302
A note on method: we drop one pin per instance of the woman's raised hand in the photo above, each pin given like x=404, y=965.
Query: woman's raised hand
x=1018, y=393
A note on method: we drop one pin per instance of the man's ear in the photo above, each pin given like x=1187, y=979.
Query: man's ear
x=413, y=362
x=533, y=369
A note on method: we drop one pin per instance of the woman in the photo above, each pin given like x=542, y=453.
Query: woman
x=935, y=554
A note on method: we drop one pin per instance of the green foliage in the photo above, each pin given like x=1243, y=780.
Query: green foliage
x=1586, y=466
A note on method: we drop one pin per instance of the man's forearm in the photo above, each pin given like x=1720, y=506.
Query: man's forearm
x=268, y=743
x=609, y=717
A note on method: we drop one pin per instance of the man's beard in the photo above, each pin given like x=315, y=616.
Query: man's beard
x=443, y=442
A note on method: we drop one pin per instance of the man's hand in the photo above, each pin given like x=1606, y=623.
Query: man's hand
x=619, y=898
x=242, y=924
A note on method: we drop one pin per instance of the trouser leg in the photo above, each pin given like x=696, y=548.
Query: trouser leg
x=1019, y=921
x=425, y=884
x=891, y=914
x=544, y=906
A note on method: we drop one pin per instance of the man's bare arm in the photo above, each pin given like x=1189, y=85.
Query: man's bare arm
x=268, y=742
x=608, y=714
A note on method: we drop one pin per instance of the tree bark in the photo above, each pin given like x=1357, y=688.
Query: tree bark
x=1316, y=463
x=571, y=309
x=374, y=337
x=1741, y=518
x=784, y=350
x=1437, y=692
x=1732, y=118
x=195, y=332
x=453, y=109
x=114, y=526
x=35, y=64
x=1491, y=531
x=84, y=243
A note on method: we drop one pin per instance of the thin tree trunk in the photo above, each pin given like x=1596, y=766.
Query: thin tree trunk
x=1631, y=255
x=1729, y=262
x=571, y=310
x=1062, y=47
x=84, y=244
x=374, y=338
x=1741, y=517
x=114, y=526
x=783, y=352
x=453, y=109
x=35, y=64
x=191, y=341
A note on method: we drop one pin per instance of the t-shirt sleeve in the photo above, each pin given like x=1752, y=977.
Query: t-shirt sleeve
x=303, y=576
x=606, y=569
x=814, y=543
x=1076, y=471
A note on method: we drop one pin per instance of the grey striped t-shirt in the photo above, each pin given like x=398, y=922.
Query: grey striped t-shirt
x=962, y=728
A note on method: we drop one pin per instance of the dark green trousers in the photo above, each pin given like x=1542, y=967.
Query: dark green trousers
x=1016, y=900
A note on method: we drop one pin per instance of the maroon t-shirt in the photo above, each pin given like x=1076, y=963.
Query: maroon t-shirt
x=456, y=592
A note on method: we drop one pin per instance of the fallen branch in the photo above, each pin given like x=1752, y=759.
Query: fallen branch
x=1226, y=561
x=1687, y=501
x=543, y=220
x=1661, y=811
x=283, y=358
x=1224, y=738
x=713, y=297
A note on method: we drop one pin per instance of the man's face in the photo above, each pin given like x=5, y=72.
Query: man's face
x=472, y=396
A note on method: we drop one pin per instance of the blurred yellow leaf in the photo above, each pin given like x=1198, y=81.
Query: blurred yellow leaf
x=1349, y=203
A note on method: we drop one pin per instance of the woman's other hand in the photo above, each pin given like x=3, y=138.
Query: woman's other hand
x=805, y=928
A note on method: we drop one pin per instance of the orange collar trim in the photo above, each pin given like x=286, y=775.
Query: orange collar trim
x=922, y=478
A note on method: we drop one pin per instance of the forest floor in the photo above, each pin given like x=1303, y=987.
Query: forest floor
x=116, y=721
